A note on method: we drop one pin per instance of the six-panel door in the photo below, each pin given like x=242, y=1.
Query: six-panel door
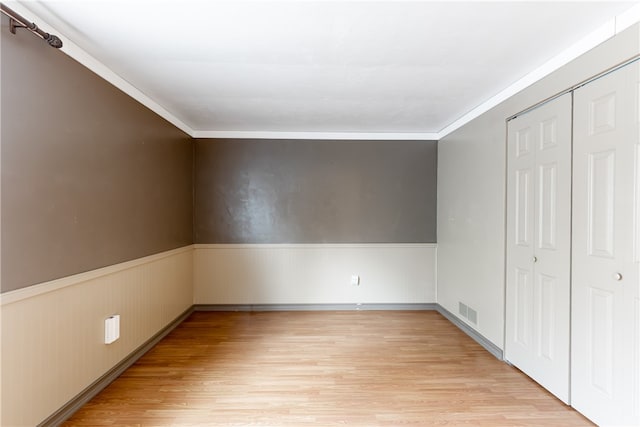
x=605, y=344
x=538, y=244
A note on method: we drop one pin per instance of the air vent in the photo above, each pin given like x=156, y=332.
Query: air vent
x=468, y=313
x=463, y=309
x=472, y=315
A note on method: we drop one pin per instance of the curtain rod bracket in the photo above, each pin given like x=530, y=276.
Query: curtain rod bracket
x=16, y=21
x=13, y=25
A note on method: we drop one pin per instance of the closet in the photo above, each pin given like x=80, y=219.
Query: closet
x=573, y=246
x=538, y=245
x=605, y=311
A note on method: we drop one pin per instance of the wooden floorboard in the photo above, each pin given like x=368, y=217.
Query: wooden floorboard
x=356, y=368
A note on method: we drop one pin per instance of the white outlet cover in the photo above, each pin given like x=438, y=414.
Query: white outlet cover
x=111, y=329
x=355, y=280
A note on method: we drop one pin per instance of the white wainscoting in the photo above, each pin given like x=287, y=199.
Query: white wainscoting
x=314, y=273
x=52, y=333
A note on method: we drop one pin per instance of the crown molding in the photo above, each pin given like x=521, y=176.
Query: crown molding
x=593, y=39
x=603, y=33
x=86, y=59
x=399, y=136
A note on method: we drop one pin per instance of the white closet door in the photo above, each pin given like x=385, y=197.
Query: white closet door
x=538, y=244
x=606, y=250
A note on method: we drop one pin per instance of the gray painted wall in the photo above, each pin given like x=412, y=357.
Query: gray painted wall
x=89, y=176
x=301, y=191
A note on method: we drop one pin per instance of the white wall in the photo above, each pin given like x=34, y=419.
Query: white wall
x=314, y=273
x=471, y=191
x=53, y=333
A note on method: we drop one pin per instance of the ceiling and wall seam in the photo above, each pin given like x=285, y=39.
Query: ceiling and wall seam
x=83, y=57
x=606, y=31
x=588, y=42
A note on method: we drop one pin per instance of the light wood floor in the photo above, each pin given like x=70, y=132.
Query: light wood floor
x=358, y=368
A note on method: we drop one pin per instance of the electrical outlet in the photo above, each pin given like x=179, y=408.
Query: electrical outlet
x=355, y=280
x=111, y=329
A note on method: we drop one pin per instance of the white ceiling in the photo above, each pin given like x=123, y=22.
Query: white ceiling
x=360, y=67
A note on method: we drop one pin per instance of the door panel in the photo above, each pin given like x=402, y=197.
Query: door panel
x=538, y=244
x=547, y=326
x=601, y=340
x=600, y=194
x=524, y=202
x=605, y=369
x=547, y=209
x=524, y=304
x=549, y=133
x=602, y=114
x=523, y=142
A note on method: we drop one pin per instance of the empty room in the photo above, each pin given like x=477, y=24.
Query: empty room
x=319, y=213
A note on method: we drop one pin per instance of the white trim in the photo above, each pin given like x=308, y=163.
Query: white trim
x=53, y=285
x=606, y=31
x=628, y=18
x=84, y=58
x=310, y=245
x=396, y=136
x=592, y=40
